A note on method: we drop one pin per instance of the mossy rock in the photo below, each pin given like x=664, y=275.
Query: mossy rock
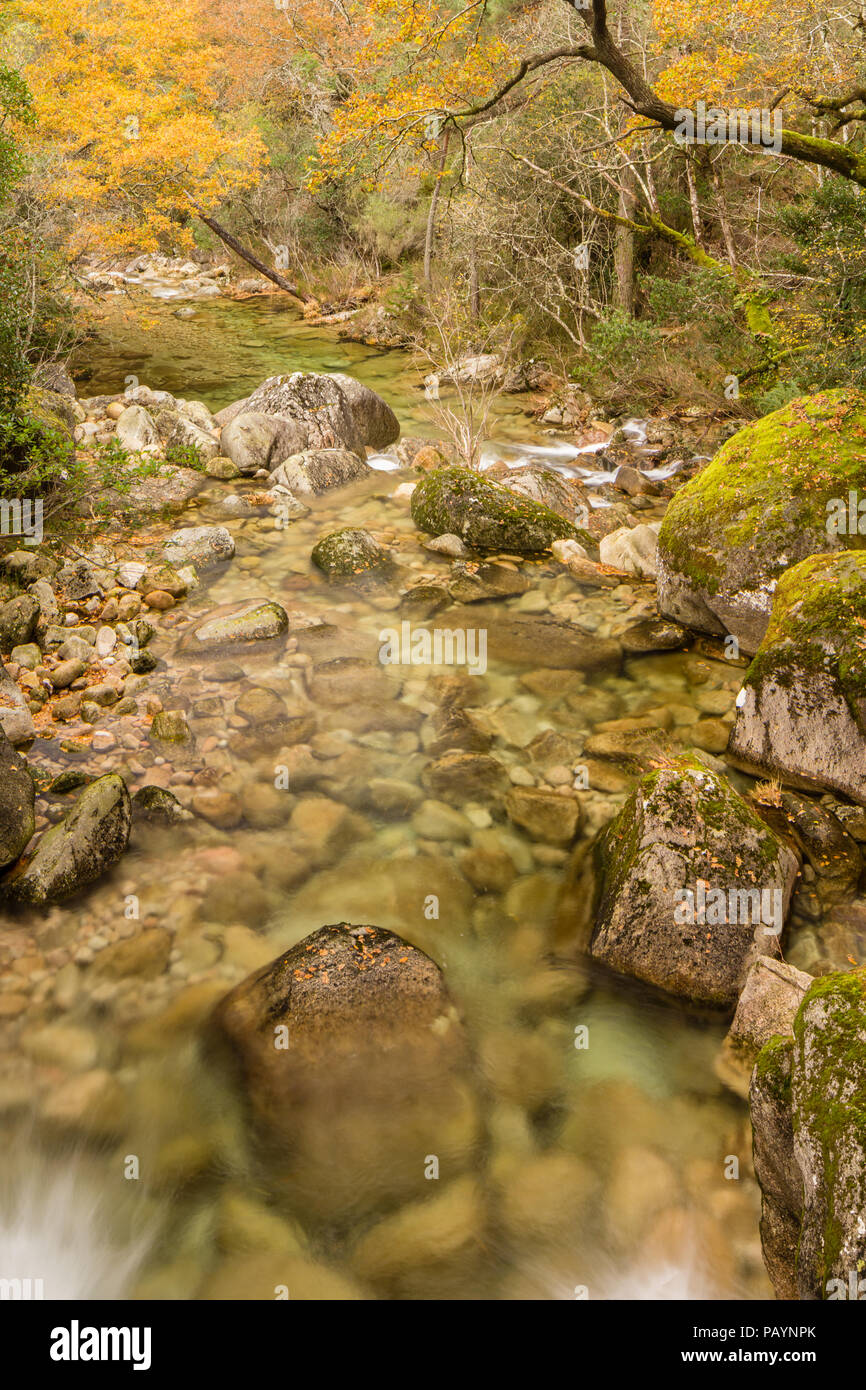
x=260, y=620
x=17, y=800
x=801, y=714
x=828, y=1102
x=170, y=726
x=775, y=1165
x=53, y=411
x=486, y=515
x=351, y=553
x=84, y=845
x=758, y=508
x=683, y=826
x=808, y=1102
x=158, y=804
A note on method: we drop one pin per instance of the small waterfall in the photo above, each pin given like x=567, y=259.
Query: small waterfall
x=61, y=1235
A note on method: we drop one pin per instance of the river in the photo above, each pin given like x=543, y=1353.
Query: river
x=605, y=1167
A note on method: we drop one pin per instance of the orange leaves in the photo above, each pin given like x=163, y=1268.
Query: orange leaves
x=130, y=112
x=750, y=49
x=416, y=63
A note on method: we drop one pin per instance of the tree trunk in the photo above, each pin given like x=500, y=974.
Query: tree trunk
x=245, y=255
x=693, y=202
x=431, y=216
x=623, y=257
x=474, y=290
x=724, y=215
x=652, y=195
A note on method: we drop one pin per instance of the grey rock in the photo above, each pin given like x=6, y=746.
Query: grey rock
x=565, y=496
x=254, y=440
x=49, y=608
x=16, y=721
x=159, y=805
x=18, y=619
x=318, y=470
x=772, y=994
x=260, y=620
x=632, y=550
x=376, y=420
x=81, y=848
x=372, y=1032
x=201, y=546
x=189, y=435
x=78, y=581
x=692, y=886
x=136, y=430
x=17, y=800
x=318, y=404
x=810, y=1157
x=801, y=713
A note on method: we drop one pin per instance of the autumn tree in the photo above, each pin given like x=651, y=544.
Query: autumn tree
x=131, y=112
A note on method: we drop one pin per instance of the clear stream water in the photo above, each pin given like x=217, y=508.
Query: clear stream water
x=599, y=1168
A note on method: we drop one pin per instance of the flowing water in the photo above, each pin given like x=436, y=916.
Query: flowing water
x=596, y=1161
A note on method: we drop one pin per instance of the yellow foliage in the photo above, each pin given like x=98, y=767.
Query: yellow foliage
x=127, y=102
x=739, y=50
x=415, y=64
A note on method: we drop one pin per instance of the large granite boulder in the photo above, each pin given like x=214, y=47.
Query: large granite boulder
x=808, y=1103
x=375, y=419
x=801, y=714
x=315, y=471
x=771, y=497
x=688, y=886
x=17, y=801
x=486, y=515
x=83, y=846
x=254, y=440
x=315, y=403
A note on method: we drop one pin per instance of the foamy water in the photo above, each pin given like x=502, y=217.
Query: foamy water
x=58, y=1226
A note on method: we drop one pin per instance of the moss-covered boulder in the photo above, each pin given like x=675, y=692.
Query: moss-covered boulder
x=764, y=503
x=260, y=620
x=801, y=713
x=565, y=496
x=17, y=800
x=691, y=886
x=775, y=1166
x=351, y=554
x=808, y=1102
x=18, y=619
x=55, y=412
x=487, y=516
x=160, y=805
x=82, y=847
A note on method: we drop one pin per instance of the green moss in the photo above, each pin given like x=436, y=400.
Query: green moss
x=761, y=504
x=724, y=816
x=773, y=1066
x=486, y=515
x=831, y=1105
x=818, y=624
x=348, y=553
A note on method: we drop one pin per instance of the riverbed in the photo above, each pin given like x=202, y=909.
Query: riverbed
x=600, y=1155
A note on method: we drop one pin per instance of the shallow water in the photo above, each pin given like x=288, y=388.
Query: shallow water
x=598, y=1168
x=230, y=346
